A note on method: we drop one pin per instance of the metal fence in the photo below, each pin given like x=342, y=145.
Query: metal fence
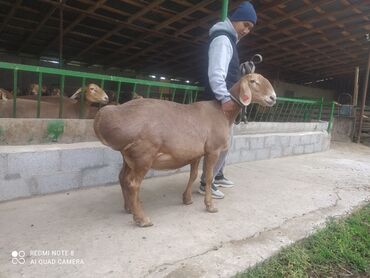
x=293, y=110
x=285, y=110
x=174, y=92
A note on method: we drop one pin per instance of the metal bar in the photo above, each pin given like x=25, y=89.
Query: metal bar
x=305, y=112
x=196, y=96
x=72, y=73
x=186, y=93
x=248, y=112
x=225, y=6
x=321, y=107
x=61, y=102
x=255, y=115
x=355, y=89
x=331, y=116
x=295, y=111
x=251, y=115
x=309, y=112
x=133, y=91
x=15, y=90
x=173, y=94
x=148, y=92
x=289, y=106
x=160, y=92
x=263, y=109
x=118, y=92
x=297, y=100
x=39, y=95
x=282, y=108
x=364, y=99
x=82, y=98
x=270, y=110
x=102, y=87
x=191, y=97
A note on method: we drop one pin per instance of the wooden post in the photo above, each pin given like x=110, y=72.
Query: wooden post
x=355, y=89
x=364, y=98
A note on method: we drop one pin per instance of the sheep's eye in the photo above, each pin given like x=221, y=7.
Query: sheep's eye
x=253, y=81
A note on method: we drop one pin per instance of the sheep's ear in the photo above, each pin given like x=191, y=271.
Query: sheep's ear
x=245, y=94
x=76, y=94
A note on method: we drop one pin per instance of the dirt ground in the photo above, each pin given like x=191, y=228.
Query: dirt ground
x=86, y=233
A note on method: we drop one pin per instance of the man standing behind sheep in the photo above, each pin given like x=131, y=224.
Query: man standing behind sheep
x=223, y=73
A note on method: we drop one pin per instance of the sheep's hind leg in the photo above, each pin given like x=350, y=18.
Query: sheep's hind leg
x=134, y=179
x=186, y=196
x=123, y=181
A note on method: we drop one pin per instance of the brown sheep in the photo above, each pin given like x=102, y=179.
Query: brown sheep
x=49, y=105
x=159, y=134
x=5, y=95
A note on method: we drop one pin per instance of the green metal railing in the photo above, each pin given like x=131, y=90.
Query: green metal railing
x=177, y=92
x=293, y=110
x=285, y=110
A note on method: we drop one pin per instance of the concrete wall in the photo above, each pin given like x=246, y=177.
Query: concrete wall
x=284, y=89
x=48, y=131
x=40, y=169
x=41, y=131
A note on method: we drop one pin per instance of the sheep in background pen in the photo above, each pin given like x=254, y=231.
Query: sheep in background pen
x=5, y=95
x=49, y=105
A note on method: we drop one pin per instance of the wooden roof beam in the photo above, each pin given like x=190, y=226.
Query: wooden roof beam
x=197, y=23
x=25, y=44
x=81, y=17
x=9, y=16
x=158, y=27
x=119, y=27
x=318, y=47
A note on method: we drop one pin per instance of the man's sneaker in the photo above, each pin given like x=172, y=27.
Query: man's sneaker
x=221, y=181
x=216, y=194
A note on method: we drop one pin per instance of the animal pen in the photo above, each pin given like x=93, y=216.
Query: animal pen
x=286, y=109
x=167, y=37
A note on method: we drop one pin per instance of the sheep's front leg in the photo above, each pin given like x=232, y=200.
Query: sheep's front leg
x=210, y=161
x=186, y=196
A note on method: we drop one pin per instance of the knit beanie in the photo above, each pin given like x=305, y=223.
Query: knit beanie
x=245, y=12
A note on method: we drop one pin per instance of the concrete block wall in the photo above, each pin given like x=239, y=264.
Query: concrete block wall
x=41, y=169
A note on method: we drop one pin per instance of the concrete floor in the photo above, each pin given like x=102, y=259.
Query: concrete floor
x=86, y=233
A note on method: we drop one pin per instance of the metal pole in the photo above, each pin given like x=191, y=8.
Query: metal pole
x=225, y=6
x=364, y=99
x=61, y=34
x=355, y=89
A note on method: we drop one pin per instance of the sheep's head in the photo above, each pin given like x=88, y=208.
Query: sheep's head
x=4, y=94
x=254, y=88
x=55, y=92
x=34, y=89
x=93, y=93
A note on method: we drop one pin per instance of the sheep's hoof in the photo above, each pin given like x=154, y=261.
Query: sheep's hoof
x=187, y=201
x=212, y=209
x=128, y=210
x=144, y=222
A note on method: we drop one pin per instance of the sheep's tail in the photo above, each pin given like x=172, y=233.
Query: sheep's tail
x=97, y=122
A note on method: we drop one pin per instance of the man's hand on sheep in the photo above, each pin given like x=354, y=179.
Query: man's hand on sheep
x=229, y=108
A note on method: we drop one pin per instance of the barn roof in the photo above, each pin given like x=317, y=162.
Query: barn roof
x=301, y=40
